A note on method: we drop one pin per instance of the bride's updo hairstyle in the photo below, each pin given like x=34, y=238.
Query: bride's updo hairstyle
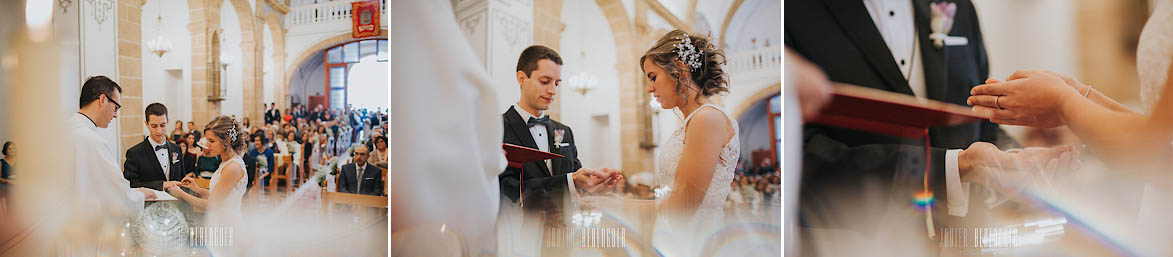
x=231, y=134
x=701, y=58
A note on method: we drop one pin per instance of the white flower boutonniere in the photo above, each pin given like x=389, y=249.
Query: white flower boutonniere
x=174, y=158
x=558, y=136
x=941, y=23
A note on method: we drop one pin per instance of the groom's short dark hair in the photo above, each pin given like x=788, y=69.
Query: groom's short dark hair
x=531, y=55
x=96, y=86
x=155, y=109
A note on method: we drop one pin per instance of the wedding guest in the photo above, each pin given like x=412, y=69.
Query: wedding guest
x=322, y=152
x=261, y=150
x=246, y=124
x=154, y=162
x=189, y=156
x=379, y=155
x=307, y=149
x=287, y=117
x=250, y=167
x=272, y=115
x=765, y=167
x=191, y=129
x=359, y=177
x=177, y=133
x=295, y=152
x=206, y=163
x=370, y=142
x=6, y=163
x=272, y=143
x=280, y=143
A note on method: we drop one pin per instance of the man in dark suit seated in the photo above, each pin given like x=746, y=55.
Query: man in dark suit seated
x=360, y=178
x=154, y=163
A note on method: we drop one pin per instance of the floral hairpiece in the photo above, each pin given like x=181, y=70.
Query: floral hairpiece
x=687, y=53
x=232, y=133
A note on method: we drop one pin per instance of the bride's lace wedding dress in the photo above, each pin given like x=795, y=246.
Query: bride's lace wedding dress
x=227, y=213
x=710, y=214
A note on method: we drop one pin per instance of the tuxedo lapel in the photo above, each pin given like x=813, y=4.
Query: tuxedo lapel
x=932, y=58
x=522, y=131
x=554, y=163
x=175, y=159
x=855, y=21
x=152, y=160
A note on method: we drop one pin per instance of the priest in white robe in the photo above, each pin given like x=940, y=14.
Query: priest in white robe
x=98, y=185
x=445, y=138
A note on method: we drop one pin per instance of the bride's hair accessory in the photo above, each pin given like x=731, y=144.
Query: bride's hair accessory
x=687, y=53
x=232, y=133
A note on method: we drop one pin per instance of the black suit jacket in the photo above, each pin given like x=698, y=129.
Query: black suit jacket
x=371, y=178
x=142, y=167
x=272, y=115
x=838, y=164
x=544, y=188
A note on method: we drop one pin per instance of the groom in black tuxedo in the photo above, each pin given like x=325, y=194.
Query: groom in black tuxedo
x=546, y=183
x=154, y=162
x=887, y=46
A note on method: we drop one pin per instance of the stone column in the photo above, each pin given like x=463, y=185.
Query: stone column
x=130, y=70
x=548, y=27
x=498, y=30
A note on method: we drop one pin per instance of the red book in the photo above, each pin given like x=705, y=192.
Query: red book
x=890, y=113
x=517, y=155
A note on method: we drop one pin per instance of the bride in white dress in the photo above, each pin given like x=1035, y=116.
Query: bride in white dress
x=697, y=161
x=222, y=203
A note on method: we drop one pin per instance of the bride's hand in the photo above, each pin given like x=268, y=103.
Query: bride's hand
x=188, y=180
x=1032, y=98
x=174, y=190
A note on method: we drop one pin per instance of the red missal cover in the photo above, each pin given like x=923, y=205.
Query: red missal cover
x=891, y=113
x=517, y=155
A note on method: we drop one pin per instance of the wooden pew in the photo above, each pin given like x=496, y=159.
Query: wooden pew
x=331, y=198
x=281, y=173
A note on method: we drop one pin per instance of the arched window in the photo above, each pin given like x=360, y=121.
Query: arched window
x=341, y=59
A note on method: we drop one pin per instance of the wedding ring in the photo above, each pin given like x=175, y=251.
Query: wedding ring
x=996, y=103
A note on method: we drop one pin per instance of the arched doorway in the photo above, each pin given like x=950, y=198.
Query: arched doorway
x=342, y=59
x=760, y=129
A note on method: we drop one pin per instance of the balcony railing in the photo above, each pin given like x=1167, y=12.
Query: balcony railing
x=756, y=62
x=334, y=11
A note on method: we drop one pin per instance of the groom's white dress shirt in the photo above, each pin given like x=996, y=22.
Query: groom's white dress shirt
x=895, y=21
x=161, y=155
x=97, y=176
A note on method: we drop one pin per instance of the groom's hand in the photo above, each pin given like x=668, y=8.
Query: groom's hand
x=591, y=181
x=1014, y=171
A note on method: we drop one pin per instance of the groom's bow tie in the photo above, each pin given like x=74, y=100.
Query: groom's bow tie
x=545, y=120
x=159, y=147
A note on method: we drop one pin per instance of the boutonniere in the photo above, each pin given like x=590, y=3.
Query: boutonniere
x=174, y=158
x=942, y=23
x=558, y=136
